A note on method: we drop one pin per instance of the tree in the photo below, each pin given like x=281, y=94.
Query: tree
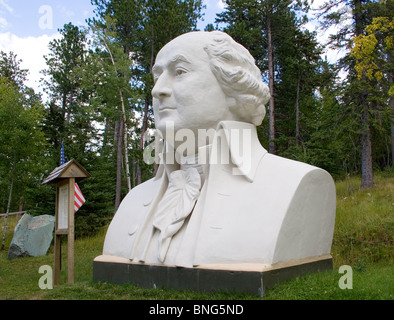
x=360, y=94
x=333, y=129
x=68, y=99
x=373, y=51
x=21, y=140
x=22, y=144
x=10, y=69
x=108, y=74
x=300, y=75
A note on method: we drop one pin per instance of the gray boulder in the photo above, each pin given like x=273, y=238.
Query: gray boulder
x=32, y=236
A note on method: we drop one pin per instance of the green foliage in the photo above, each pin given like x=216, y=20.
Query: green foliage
x=243, y=21
x=99, y=192
x=68, y=114
x=75, y=82
x=373, y=51
x=363, y=99
x=22, y=145
x=10, y=69
x=107, y=72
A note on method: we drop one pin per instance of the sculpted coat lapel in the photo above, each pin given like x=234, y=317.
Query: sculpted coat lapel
x=254, y=208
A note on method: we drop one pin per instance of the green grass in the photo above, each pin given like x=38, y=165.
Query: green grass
x=363, y=239
x=364, y=222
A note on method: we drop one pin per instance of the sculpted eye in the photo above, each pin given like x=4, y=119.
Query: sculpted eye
x=180, y=71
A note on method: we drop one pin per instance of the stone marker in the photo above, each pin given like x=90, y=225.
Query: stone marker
x=32, y=236
x=17, y=244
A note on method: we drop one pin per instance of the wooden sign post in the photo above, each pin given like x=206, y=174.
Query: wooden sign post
x=65, y=177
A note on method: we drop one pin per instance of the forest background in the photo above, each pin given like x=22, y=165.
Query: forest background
x=97, y=81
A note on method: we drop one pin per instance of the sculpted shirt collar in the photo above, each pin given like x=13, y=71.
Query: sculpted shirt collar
x=234, y=142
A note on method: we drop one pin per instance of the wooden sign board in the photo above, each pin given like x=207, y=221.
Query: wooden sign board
x=62, y=210
x=65, y=177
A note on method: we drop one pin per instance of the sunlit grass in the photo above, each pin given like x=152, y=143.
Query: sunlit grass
x=364, y=221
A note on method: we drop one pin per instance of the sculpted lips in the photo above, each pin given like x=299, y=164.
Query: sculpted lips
x=164, y=108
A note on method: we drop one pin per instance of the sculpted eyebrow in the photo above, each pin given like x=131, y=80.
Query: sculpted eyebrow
x=179, y=58
x=157, y=69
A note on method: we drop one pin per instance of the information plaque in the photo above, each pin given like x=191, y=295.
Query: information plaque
x=63, y=207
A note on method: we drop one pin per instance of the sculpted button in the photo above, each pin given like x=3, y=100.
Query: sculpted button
x=132, y=230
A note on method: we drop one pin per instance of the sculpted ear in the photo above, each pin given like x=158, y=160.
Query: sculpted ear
x=231, y=102
x=233, y=107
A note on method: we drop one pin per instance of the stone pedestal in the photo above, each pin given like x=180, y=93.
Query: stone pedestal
x=248, y=278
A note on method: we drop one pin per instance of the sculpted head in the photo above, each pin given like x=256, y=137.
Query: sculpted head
x=202, y=78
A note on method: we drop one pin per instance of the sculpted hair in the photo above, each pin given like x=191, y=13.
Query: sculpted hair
x=240, y=78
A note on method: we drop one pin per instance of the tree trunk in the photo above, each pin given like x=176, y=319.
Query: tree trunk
x=391, y=112
x=125, y=144
x=272, y=145
x=366, y=152
x=144, y=128
x=139, y=174
x=119, y=164
x=297, y=135
x=133, y=169
x=124, y=122
x=366, y=144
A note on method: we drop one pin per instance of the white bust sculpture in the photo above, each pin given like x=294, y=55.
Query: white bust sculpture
x=218, y=195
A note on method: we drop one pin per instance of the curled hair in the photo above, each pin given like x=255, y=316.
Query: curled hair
x=240, y=78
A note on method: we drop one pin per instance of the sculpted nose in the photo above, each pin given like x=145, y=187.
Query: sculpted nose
x=161, y=89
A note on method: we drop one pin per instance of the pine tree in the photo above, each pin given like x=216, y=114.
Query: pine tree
x=373, y=52
x=358, y=93
x=68, y=103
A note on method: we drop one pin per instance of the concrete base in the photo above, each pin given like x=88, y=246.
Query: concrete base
x=248, y=278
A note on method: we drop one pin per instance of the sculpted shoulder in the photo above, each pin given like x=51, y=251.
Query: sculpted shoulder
x=282, y=172
x=129, y=217
x=140, y=196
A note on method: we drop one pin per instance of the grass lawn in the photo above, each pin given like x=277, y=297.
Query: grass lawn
x=363, y=239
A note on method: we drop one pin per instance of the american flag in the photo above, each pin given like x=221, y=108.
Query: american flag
x=79, y=199
x=62, y=158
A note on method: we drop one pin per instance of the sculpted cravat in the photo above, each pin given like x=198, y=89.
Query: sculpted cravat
x=176, y=205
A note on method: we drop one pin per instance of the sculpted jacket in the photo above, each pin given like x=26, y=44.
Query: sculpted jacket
x=253, y=208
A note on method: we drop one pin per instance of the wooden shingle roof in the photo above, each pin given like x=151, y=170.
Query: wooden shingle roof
x=70, y=169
